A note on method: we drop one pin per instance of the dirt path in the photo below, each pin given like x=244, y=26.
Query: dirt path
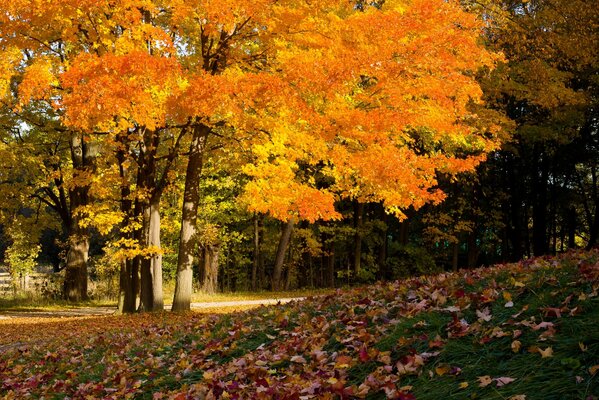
x=96, y=311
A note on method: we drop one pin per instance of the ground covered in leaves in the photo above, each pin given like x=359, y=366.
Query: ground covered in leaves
x=517, y=331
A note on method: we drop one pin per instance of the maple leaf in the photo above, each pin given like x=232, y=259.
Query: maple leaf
x=548, y=352
x=504, y=380
x=484, y=315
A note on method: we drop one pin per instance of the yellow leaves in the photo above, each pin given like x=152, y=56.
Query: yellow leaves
x=100, y=216
x=9, y=59
x=442, y=370
x=546, y=353
x=516, y=344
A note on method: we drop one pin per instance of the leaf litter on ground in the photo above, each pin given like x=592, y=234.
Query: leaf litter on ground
x=429, y=337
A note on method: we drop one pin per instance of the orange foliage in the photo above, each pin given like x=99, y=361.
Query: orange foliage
x=350, y=93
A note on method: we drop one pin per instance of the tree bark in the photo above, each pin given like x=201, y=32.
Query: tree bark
x=455, y=254
x=473, y=250
x=358, y=224
x=211, y=255
x=83, y=156
x=75, y=284
x=256, y=256
x=188, y=236
x=384, y=272
x=281, y=252
x=127, y=282
x=539, y=210
x=156, y=258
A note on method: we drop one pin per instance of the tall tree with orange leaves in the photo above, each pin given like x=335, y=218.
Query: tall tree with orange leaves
x=320, y=100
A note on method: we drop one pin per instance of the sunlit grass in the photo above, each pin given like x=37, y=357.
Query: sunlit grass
x=32, y=303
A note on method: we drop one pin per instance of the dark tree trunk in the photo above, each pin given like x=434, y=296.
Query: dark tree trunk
x=331, y=265
x=384, y=272
x=211, y=255
x=404, y=231
x=257, y=250
x=473, y=250
x=455, y=256
x=572, y=218
x=262, y=281
x=127, y=294
x=358, y=224
x=83, y=156
x=127, y=282
x=539, y=207
x=188, y=237
x=594, y=223
x=515, y=226
x=280, y=257
x=75, y=284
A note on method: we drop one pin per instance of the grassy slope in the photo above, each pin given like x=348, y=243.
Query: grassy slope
x=426, y=338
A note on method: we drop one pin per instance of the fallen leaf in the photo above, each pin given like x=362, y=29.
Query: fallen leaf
x=583, y=348
x=518, y=397
x=593, y=370
x=504, y=380
x=516, y=344
x=548, y=352
x=442, y=369
x=485, y=314
x=463, y=385
x=298, y=359
x=484, y=380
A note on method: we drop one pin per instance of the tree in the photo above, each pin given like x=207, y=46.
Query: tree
x=313, y=101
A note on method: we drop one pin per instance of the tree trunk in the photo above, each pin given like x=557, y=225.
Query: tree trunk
x=331, y=264
x=256, y=257
x=83, y=156
x=384, y=273
x=211, y=255
x=281, y=252
x=515, y=225
x=127, y=281
x=539, y=210
x=75, y=284
x=572, y=218
x=594, y=230
x=358, y=223
x=127, y=288
x=455, y=254
x=594, y=224
x=187, y=236
x=145, y=265
x=473, y=250
x=156, y=258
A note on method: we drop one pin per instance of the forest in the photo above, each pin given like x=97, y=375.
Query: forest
x=250, y=145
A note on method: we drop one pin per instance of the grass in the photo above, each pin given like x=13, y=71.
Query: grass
x=35, y=303
x=31, y=303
